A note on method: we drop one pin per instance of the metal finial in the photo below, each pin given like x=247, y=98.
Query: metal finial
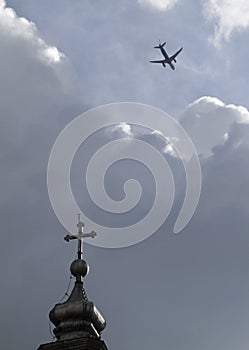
x=80, y=237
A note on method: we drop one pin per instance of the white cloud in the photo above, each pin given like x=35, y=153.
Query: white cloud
x=208, y=121
x=52, y=54
x=168, y=143
x=226, y=136
x=35, y=88
x=19, y=28
x=119, y=130
x=228, y=15
x=161, y=5
x=124, y=128
x=169, y=149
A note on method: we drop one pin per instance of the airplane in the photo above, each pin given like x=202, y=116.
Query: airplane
x=167, y=60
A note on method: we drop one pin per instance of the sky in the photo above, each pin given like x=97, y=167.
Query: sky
x=185, y=291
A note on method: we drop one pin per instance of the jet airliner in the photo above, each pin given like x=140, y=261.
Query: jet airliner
x=167, y=59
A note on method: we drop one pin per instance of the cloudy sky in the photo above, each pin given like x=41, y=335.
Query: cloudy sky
x=186, y=291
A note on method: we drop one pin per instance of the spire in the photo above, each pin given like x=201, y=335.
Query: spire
x=77, y=320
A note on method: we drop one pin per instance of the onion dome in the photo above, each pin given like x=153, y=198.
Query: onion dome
x=76, y=318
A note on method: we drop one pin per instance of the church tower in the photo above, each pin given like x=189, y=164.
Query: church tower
x=78, y=323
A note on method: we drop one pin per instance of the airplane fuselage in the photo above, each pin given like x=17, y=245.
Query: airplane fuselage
x=164, y=53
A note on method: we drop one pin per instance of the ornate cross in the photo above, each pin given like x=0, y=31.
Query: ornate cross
x=80, y=237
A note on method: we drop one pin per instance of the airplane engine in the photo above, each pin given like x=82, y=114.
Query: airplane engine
x=175, y=60
x=164, y=64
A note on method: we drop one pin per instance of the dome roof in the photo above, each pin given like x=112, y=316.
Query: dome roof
x=77, y=317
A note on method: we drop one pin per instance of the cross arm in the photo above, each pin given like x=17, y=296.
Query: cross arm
x=92, y=234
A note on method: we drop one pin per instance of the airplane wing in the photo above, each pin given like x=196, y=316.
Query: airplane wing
x=174, y=56
x=158, y=61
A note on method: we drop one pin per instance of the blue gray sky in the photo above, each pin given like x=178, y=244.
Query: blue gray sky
x=58, y=60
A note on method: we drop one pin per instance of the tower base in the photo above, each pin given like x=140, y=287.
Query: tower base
x=75, y=344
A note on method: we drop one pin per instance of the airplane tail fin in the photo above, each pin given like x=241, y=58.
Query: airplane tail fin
x=159, y=46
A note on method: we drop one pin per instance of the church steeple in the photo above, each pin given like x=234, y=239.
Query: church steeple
x=78, y=323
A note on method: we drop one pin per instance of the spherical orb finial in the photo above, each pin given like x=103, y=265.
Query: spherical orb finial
x=79, y=268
